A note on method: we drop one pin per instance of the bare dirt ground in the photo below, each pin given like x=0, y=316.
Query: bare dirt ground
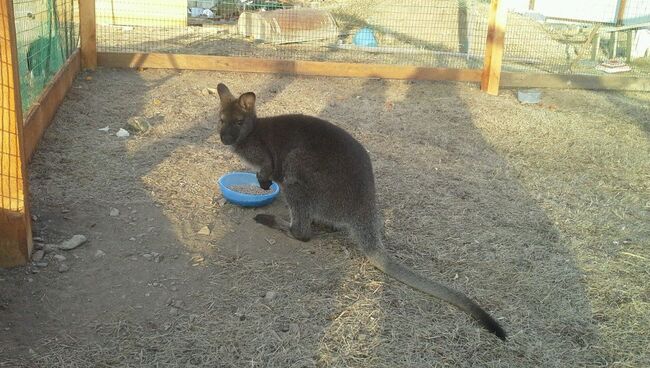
x=538, y=212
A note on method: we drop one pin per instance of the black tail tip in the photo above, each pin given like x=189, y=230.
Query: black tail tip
x=496, y=329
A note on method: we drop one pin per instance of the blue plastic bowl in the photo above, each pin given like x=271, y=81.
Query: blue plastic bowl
x=365, y=37
x=244, y=199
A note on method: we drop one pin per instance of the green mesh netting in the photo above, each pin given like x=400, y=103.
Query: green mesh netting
x=46, y=36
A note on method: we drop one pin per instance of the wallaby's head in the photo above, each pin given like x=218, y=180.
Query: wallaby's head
x=237, y=117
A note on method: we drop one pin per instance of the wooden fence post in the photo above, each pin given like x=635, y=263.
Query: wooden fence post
x=88, y=34
x=15, y=221
x=494, y=48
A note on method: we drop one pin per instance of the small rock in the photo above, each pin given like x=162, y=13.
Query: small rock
x=173, y=311
x=34, y=218
x=65, y=210
x=41, y=264
x=38, y=239
x=99, y=253
x=204, y=231
x=205, y=92
x=284, y=327
x=59, y=257
x=132, y=239
x=63, y=268
x=270, y=295
x=29, y=279
x=122, y=133
x=114, y=212
x=173, y=288
x=138, y=125
x=212, y=91
x=147, y=256
x=134, y=258
x=157, y=257
x=38, y=255
x=271, y=241
x=73, y=242
x=49, y=248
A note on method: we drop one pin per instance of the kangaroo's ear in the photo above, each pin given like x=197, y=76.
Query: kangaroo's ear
x=224, y=93
x=247, y=101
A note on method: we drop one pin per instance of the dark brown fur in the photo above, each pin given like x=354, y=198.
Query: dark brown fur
x=326, y=176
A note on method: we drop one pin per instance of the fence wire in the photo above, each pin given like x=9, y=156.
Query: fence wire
x=577, y=37
x=443, y=33
x=47, y=34
x=11, y=175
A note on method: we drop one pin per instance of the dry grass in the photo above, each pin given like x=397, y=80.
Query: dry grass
x=538, y=212
x=588, y=164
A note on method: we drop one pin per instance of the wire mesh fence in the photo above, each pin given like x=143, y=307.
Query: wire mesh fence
x=548, y=36
x=444, y=33
x=11, y=175
x=47, y=34
x=578, y=37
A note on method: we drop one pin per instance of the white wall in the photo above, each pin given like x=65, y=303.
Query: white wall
x=636, y=11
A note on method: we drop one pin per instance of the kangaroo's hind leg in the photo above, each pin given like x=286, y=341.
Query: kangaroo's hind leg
x=299, y=206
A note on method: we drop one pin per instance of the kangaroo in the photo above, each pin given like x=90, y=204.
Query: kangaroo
x=327, y=178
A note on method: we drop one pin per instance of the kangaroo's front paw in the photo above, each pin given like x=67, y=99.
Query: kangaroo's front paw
x=265, y=184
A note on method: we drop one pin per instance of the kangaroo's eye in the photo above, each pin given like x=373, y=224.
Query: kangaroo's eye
x=239, y=122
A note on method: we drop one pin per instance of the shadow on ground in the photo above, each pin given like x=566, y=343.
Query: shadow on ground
x=244, y=295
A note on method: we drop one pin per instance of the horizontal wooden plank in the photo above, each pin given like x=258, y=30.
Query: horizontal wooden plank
x=560, y=81
x=42, y=111
x=332, y=69
x=241, y=64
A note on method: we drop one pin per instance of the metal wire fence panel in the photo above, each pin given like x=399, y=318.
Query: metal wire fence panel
x=587, y=37
x=444, y=33
x=47, y=34
x=11, y=175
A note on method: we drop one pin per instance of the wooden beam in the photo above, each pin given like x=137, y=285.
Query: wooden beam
x=15, y=221
x=88, y=34
x=620, y=14
x=298, y=67
x=595, y=82
x=494, y=48
x=42, y=111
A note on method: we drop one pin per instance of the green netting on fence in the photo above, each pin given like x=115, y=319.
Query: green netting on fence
x=46, y=33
